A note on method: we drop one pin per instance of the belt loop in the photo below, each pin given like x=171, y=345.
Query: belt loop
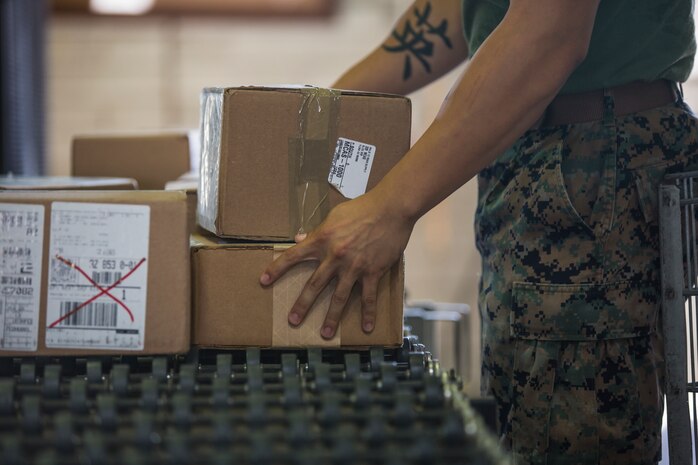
x=609, y=107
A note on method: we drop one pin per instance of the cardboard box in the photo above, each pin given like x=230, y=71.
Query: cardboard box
x=231, y=308
x=103, y=272
x=268, y=154
x=52, y=183
x=151, y=159
x=189, y=185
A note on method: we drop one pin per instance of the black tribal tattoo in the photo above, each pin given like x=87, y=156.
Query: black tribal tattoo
x=415, y=39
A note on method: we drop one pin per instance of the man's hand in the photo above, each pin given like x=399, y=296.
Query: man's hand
x=358, y=242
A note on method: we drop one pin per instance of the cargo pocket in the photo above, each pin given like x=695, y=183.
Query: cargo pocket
x=559, y=331
x=583, y=312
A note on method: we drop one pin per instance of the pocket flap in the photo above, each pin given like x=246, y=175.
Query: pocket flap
x=583, y=312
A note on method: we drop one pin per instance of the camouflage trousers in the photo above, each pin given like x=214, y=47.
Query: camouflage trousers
x=570, y=291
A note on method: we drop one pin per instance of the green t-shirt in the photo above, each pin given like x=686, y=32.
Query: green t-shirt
x=633, y=40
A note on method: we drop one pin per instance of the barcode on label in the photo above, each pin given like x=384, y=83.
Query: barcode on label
x=106, y=277
x=93, y=314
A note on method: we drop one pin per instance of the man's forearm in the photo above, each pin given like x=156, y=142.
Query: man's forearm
x=504, y=90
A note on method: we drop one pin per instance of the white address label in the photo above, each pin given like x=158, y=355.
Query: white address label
x=21, y=251
x=98, y=276
x=351, y=167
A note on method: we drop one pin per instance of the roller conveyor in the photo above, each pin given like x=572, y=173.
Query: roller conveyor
x=247, y=406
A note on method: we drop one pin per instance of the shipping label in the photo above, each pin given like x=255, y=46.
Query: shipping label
x=21, y=252
x=98, y=276
x=351, y=167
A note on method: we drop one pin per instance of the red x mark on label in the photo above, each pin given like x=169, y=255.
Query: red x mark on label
x=103, y=291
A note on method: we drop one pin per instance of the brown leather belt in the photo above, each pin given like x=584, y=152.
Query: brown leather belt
x=628, y=98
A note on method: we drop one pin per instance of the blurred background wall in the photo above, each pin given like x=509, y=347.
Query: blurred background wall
x=125, y=74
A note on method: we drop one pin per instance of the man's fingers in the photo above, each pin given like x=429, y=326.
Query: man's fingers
x=315, y=285
x=337, y=304
x=369, y=298
x=296, y=254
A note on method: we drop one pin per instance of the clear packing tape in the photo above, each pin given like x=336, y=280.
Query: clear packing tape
x=310, y=156
x=211, y=130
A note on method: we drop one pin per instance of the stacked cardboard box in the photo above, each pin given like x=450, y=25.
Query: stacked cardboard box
x=232, y=309
x=93, y=272
x=274, y=162
x=153, y=159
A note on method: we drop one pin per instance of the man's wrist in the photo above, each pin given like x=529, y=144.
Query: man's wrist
x=394, y=202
